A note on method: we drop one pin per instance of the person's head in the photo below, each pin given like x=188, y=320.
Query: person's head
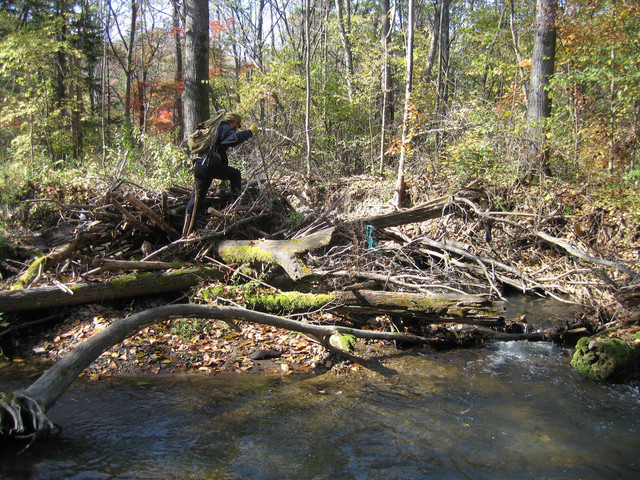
x=233, y=119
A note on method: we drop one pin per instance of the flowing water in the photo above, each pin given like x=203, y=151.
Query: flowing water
x=512, y=410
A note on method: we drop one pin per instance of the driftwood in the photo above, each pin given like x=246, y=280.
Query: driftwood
x=155, y=218
x=569, y=248
x=86, y=292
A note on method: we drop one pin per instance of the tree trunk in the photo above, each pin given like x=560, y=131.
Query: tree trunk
x=129, y=64
x=121, y=287
x=307, y=76
x=442, y=85
x=176, y=120
x=433, y=209
x=516, y=48
x=433, y=43
x=542, y=67
x=386, y=110
x=346, y=46
x=387, y=82
x=196, y=92
x=407, y=107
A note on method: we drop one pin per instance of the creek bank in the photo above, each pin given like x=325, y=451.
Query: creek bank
x=461, y=240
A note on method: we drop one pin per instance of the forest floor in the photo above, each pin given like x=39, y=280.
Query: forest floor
x=199, y=347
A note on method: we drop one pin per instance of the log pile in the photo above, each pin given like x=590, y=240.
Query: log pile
x=451, y=245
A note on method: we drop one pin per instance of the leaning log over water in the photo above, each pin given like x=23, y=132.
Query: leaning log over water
x=23, y=413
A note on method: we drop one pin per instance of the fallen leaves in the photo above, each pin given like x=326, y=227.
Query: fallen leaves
x=157, y=350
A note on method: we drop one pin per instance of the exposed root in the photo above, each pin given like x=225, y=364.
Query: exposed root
x=23, y=419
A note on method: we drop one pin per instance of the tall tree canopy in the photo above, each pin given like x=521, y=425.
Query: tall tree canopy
x=80, y=77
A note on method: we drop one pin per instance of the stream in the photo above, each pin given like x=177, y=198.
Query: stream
x=511, y=410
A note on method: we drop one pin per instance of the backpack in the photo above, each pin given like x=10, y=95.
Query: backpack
x=205, y=134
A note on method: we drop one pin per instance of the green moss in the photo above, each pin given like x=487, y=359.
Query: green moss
x=600, y=359
x=289, y=301
x=343, y=341
x=8, y=398
x=30, y=274
x=246, y=254
x=425, y=304
x=122, y=283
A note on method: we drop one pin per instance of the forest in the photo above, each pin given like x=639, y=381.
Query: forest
x=415, y=162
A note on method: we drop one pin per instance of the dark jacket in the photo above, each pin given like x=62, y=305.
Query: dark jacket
x=227, y=138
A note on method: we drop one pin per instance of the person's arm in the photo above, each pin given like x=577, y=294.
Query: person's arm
x=230, y=138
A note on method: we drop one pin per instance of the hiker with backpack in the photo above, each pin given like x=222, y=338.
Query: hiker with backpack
x=214, y=162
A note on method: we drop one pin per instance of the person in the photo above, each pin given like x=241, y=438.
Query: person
x=214, y=163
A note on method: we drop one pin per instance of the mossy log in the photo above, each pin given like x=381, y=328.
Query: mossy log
x=466, y=309
x=147, y=283
x=56, y=256
x=280, y=252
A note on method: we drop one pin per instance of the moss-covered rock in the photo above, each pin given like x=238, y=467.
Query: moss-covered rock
x=602, y=359
x=343, y=341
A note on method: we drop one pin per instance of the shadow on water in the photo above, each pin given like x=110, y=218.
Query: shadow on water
x=509, y=410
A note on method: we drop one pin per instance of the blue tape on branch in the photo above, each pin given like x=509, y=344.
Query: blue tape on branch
x=368, y=234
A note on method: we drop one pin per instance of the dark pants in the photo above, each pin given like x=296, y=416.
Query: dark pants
x=204, y=175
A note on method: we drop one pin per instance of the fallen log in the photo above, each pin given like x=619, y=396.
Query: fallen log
x=147, y=283
x=56, y=256
x=629, y=296
x=464, y=309
x=106, y=264
x=280, y=252
x=435, y=208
